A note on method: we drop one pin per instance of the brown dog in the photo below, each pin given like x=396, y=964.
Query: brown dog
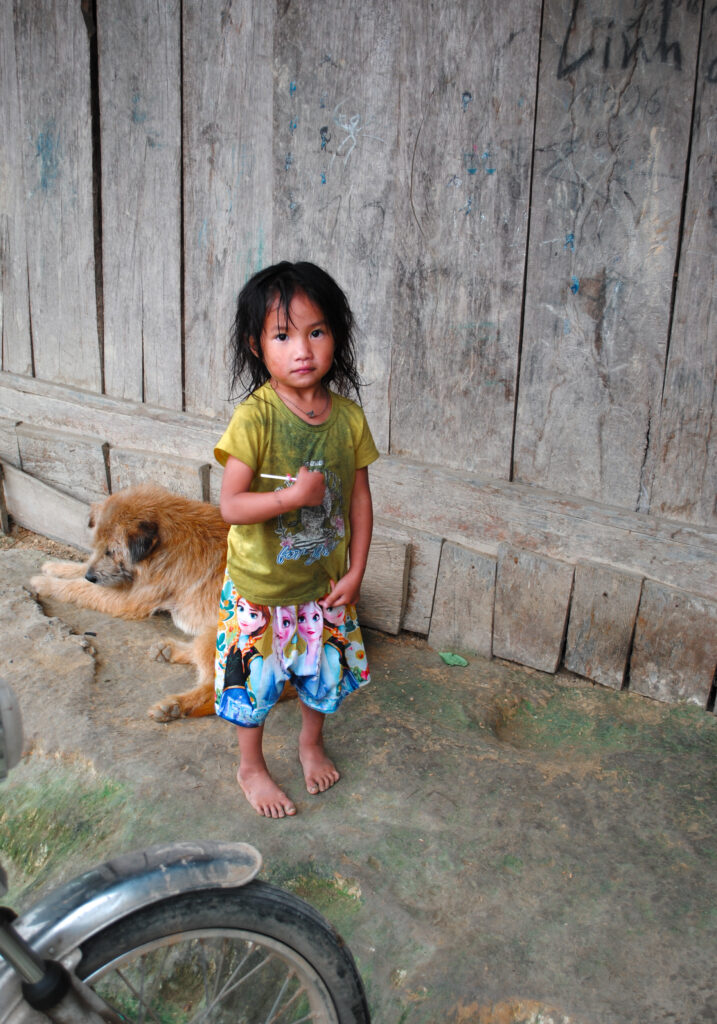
x=154, y=551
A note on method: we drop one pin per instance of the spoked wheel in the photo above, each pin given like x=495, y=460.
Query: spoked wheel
x=240, y=956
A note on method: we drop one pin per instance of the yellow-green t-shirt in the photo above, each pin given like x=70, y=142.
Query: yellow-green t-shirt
x=292, y=557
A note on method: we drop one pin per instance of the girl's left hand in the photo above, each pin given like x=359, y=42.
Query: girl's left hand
x=346, y=591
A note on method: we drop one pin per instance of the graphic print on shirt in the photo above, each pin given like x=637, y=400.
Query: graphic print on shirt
x=313, y=533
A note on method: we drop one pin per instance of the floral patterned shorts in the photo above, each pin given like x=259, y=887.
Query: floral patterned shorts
x=260, y=648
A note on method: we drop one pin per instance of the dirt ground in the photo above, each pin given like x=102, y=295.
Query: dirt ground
x=504, y=847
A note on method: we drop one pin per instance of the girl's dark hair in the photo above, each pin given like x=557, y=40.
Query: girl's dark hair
x=282, y=281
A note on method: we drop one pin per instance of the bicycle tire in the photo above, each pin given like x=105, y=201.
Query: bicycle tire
x=186, y=959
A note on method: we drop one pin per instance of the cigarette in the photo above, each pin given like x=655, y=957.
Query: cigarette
x=272, y=476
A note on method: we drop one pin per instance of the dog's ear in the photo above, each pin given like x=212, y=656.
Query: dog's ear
x=94, y=511
x=143, y=543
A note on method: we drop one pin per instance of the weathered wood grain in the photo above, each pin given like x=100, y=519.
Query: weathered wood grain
x=4, y=514
x=228, y=88
x=425, y=554
x=418, y=499
x=335, y=132
x=53, y=66
x=462, y=618
x=467, y=98
x=140, y=91
x=685, y=485
x=45, y=510
x=9, y=451
x=16, y=349
x=532, y=598
x=616, y=88
x=675, y=652
x=130, y=466
x=483, y=513
x=602, y=620
x=73, y=463
x=385, y=584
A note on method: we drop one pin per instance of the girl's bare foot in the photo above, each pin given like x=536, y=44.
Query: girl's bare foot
x=320, y=772
x=263, y=793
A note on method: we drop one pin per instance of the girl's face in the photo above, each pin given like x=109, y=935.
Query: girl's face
x=250, y=619
x=336, y=615
x=311, y=622
x=297, y=351
x=284, y=625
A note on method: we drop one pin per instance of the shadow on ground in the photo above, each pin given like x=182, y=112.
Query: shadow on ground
x=504, y=847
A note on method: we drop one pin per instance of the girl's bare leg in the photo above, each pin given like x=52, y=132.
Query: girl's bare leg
x=320, y=771
x=253, y=776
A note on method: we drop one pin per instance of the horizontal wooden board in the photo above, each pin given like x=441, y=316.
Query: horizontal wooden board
x=131, y=466
x=45, y=510
x=477, y=512
x=73, y=463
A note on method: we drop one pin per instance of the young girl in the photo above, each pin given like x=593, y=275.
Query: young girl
x=296, y=491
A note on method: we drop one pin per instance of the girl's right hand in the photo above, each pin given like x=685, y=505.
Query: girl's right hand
x=309, y=488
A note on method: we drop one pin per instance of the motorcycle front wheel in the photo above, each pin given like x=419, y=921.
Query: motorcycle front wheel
x=238, y=956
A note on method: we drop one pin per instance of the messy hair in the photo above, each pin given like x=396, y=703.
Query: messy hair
x=282, y=281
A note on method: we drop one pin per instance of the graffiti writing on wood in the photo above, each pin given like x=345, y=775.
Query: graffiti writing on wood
x=645, y=35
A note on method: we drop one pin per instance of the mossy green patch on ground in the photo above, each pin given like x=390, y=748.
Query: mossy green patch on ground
x=590, y=723
x=54, y=812
x=337, y=897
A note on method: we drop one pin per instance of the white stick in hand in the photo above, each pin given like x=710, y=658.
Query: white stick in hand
x=272, y=476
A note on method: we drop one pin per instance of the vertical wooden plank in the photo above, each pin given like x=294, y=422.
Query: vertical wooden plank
x=686, y=477
x=227, y=180
x=16, y=351
x=140, y=91
x=602, y=620
x=462, y=616
x=675, y=652
x=615, y=100
x=467, y=91
x=335, y=126
x=532, y=598
x=54, y=84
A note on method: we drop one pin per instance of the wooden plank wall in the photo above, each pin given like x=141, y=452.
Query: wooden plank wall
x=517, y=195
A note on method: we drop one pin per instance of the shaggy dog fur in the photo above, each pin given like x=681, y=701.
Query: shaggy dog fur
x=154, y=551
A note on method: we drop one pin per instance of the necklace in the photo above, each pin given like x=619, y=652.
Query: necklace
x=311, y=413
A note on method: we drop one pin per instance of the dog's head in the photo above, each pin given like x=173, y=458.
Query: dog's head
x=125, y=535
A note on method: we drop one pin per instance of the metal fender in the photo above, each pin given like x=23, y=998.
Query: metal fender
x=68, y=916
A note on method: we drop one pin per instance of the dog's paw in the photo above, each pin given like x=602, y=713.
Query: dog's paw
x=165, y=711
x=161, y=651
x=41, y=585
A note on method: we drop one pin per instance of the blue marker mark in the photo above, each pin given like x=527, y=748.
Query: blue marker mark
x=323, y=178
x=138, y=116
x=574, y=285
x=292, y=87
x=570, y=242
x=324, y=136
x=292, y=126
x=288, y=162
x=472, y=170
x=490, y=170
x=466, y=99
x=48, y=152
